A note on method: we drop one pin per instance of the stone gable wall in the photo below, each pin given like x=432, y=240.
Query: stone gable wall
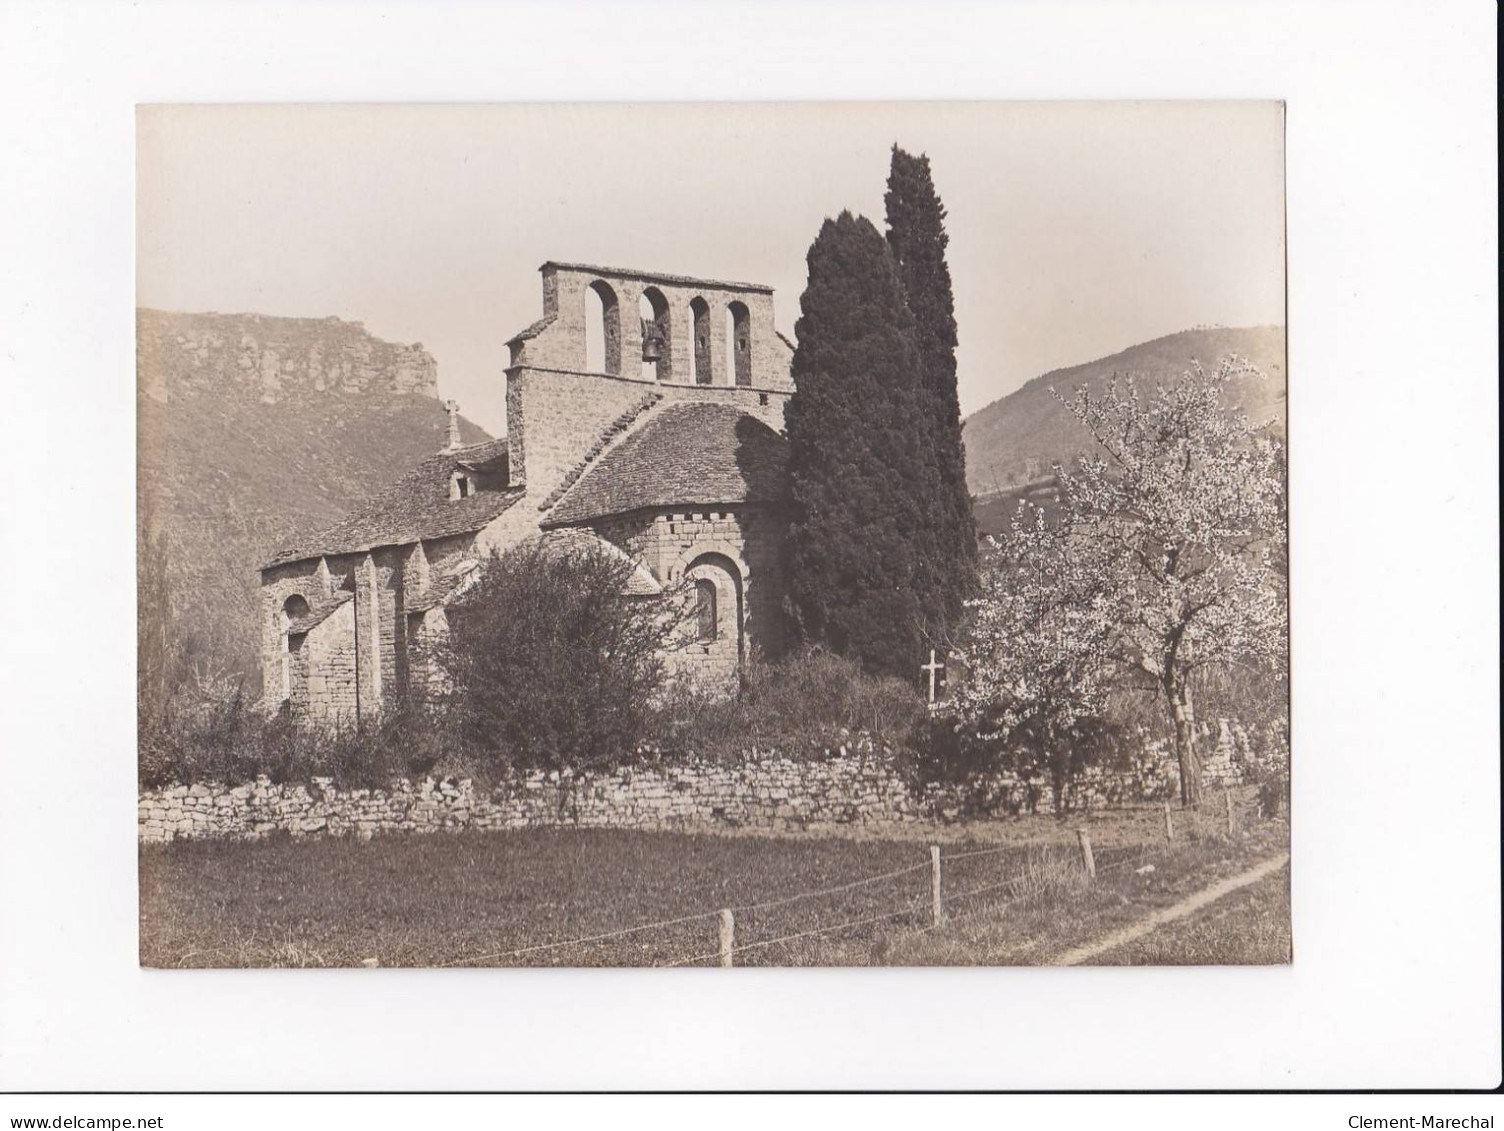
x=329, y=658
x=556, y=417
x=562, y=343
x=277, y=585
x=552, y=420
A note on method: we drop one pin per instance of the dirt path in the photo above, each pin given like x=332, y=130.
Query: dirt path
x=1187, y=906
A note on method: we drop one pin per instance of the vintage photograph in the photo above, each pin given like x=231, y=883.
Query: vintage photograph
x=712, y=535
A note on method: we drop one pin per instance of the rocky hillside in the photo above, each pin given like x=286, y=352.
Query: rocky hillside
x=250, y=430
x=1014, y=441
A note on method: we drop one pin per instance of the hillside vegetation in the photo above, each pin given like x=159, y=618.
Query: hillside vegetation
x=250, y=430
x=1014, y=441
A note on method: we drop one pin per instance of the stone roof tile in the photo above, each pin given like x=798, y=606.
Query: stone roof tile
x=416, y=507
x=640, y=582
x=602, y=441
x=684, y=455
x=319, y=613
x=442, y=588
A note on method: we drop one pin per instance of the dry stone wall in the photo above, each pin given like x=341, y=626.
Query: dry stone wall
x=847, y=790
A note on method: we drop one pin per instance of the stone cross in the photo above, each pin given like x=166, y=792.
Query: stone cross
x=932, y=667
x=453, y=409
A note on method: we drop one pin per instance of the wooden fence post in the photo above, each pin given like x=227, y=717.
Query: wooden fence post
x=1227, y=797
x=1087, y=859
x=728, y=937
x=937, y=908
x=1169, y=822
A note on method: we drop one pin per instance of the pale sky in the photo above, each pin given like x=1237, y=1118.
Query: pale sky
x=1076, y=229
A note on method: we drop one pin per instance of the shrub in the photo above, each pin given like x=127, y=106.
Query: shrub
x=551, y=664
x=800, y=705
x=943, y=751
x=946, y=751
x=1267, y=764
x=194, y=738
x=207, y=728
x=1049, y=874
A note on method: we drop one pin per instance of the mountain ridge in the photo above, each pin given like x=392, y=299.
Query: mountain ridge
x=253, y=429
x=1014, y=440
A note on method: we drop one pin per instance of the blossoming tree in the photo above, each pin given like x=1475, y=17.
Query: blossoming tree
x=1037, y=675
x=1166, y=559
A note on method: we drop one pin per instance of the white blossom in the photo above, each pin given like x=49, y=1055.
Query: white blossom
x=1167, y=556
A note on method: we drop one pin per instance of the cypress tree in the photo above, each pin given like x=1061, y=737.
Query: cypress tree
x=917, y=239
x=858, y=576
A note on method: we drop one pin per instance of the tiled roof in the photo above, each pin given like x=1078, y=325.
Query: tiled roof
x=640, y=582
x=683, y=455
x=416, y=506
x=445, y=586
x=489, y=458
x=319, y=613
x=607, y=434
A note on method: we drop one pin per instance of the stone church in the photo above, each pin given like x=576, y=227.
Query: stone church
x=644, y=417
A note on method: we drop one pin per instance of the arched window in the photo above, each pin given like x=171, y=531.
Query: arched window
x=705, y=615
x=657, y=336
x=699, y=311
x=602, y=329
x=739, y=342
x=293, y=609
x=719, y=625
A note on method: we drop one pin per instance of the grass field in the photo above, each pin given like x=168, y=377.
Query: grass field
x=1069, y=911
x=478, y=899
x=1248, y=926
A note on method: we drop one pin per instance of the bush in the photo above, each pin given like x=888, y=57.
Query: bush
x=1267, y=764
x=1049, y=873
x=946, y=751
x=550, y=664
x=801, y=705
x=198, y=737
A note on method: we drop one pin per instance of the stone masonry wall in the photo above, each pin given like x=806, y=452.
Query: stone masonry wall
x=668, y=541
x=330, y=670
x=845, y=791
x=323, y=675
x=561, y=344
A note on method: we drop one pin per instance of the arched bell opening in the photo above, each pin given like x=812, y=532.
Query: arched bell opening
x=699, y=312
x=739, y=343
x=602, y=329
x=657, y=336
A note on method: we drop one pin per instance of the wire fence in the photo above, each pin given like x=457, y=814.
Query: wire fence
x=722, y=953
x=1224, y=813
x=746, y=908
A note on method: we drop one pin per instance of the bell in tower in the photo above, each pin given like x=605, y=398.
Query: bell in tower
x=652, y=340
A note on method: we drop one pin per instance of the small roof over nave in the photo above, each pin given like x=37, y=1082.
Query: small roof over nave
x=416, y=507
